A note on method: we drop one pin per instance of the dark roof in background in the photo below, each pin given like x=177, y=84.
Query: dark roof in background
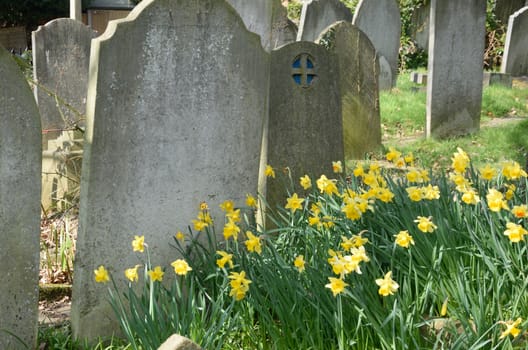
x=110, y=4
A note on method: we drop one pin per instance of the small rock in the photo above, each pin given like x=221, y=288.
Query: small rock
x=177, y=342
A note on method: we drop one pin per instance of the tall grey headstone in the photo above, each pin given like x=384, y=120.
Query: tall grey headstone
x=358, y=68
x=267, y=18
x=317, y=15
x=380, y=20
x=61, y=55
x=176, y=105
x=455, y=69
x=505, y=8
x=20, y=163
x=515, y=59
x=305, y=126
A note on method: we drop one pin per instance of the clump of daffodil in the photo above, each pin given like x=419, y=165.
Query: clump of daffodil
x=387, y=286
x=337, y=167
x=253, y=243
x=299, y=263
x=404, y=239
x=239, y=285
x=203, y=218
x=417, y=175
x=101, y=275
x=496, y=200
x=336, y=285
x=138, y=244
x=515, y=232
x=425, y=224
x=226, y=258
x=294, y=203
x=511, y=328
x=345, y=264
x=181, y=267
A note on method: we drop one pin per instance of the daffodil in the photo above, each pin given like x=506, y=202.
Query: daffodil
x=431, y=192
x=180, y=236
x=460, y=161
x=496, y=200
x=510, y=191
x=409, y=158
x=425, y=224
x=253, y=243
x=234, y=215
x=181, y=267
x=132, y=273
x=326, y=185
x=227, y=206
x=101, y=275
x=239, y=285
x=225, y=259
x=204, y=206
x=404, y=239
x=415, y=193
x=358, y=170
x=443, y=309
x=199, y=225
x=392, y=154
x=299, y=263
x=251, y=201
x=511, y=328
x=384, y=194
x=138, y=244
x=336, y=285
x=306, y=182
x=487, y=172
x=231, y=230
x=156, y=274
x=387, y=286
x=520, y=211
x=470, y=196
x=294, y=203
x=515, y=232
x=269, y=172
x=337, y=167
x=512, y=171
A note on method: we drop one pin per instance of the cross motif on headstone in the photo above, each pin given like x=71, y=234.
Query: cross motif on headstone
x=303, y=70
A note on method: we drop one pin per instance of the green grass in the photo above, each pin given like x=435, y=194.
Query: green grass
x=403, y=126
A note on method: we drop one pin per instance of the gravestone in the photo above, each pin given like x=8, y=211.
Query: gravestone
x=494, y=78
x=305, y=126
x=317, y=15
x=176, y=104
x=515, y=59
x=455, y=69
x=380, y=20
x=358, y=88
x=267, y=18
x=61, y=55
x=20, y=162
x=505, y=8
x=419, y=28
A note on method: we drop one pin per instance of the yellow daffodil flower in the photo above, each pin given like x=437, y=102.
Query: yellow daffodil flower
x=132, y=273
x=306, y=182
x=239, y=285
x=180, y=236
x=225, y=259
x=511, y=328
x=101, y=275
x=512, y=171
x=392, y=154
x=231, y=230
x=460, y=161
x=253, y=243
x=138, y=244
x=496, y=200
x=299, y=263
x=425, y=224
x=487, y=172
x=337, y=167
x=515, y=232
x=156, y=274
x=251, y=201
x=181, y=267
x=227, y=206
x=294, y=203
x=404, y=239
x=327, y=186
x=336, y=285
x=470, y=196
x=520, y=211
x=387, y=286
x=269, y=172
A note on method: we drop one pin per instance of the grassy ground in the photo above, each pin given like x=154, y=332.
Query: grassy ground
x=503, y=126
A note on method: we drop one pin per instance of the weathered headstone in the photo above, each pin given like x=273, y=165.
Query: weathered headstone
x=176, y=104
x=505, y=8
x=494, y=78
x=515, y=59
x=419, y=27
x=20, y=157
x=267, y=18
x=317, y=15
x=61, y=55
x=380, y=20
x=358, y=88
x=455, y=69
x=305, y=126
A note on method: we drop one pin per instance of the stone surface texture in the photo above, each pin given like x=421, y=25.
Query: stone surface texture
x=304, y=133
x=317, y=15
x=180, y=123
x=380, y=20
x=177, y=342
x=358, y=89
x=20, y=167
x=455, y=69
x=61, y=56
x=515, y=59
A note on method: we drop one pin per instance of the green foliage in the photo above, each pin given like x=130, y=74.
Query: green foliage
x=31, y=13
x=59, y=337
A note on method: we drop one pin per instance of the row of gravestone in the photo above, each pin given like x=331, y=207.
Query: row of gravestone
x=185, y=105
